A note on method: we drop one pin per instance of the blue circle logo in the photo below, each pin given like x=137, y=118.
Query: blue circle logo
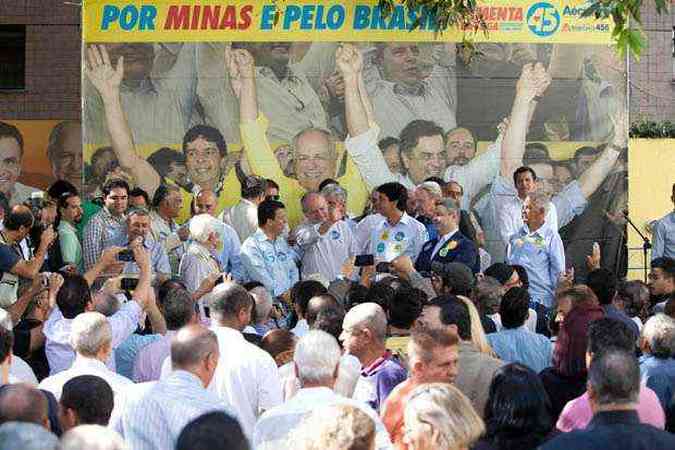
x=380, y=247
x=335, y=234
x=282, y=256
x=543, y=19
x=399, y=236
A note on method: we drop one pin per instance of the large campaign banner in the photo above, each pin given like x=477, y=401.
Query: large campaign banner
x=343, y=91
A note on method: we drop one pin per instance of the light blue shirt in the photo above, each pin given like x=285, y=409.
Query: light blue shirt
x=522, y=346
x=230, y=257
x=272, y=263
x=542, y=255
x=125, y=353
x=159, y=260
x=155, y=422
x=406, y=237
x=664, y=237
x=659, y=375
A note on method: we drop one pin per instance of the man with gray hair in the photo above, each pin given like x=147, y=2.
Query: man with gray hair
x=23, y=403
x=26, y=436
x=325, y=239
x=657, y=364
x=425, y=197
x=155, y=421
x=538, y=248
x=316, y=363
x=613, y=387
x=139, y=233
x=263, y=310
x=364, y=332
x=247, y=377
x=91, y=338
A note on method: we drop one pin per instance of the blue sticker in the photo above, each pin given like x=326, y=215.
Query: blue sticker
x=269, y=257
x=281, y=256
x=335, y=235
x=380, y=247
x=399, y=236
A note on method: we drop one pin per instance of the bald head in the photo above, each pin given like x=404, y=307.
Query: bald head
x=23, y=403
x=206, y=202
x=20, y=219
x=191, y=345
x=315, y=207
x=370, y=316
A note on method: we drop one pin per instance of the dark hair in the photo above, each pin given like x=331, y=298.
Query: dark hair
x=63, y=199
x=4, y=204
x=278, y=341
x=614, y=376
x=501, y=272
x=22, y=403
x=73, y=296
x=208, y=133
x=634, y=294
x=10, y=131
x=387, y=142
x=406, y=307
x=439, y=181
x=250, y=285
x=416, y=129
x=667, y=265
x=114, y=184
x=161, y=193
x=317, y=304
x=230, y=300
x=138, y=192
x=395, y=192
x=60, y=187
x=178, y=308
x=522, y=275
x=167, y=286
x=603, y=284
x=535, y=153
x=517, y=410
x=6, y=342
x=330, y=320
x=303, y=291
x=212, y=431
x=271, y=184
x=514, y=307
x=267, y=210
x=454, y=312
x=586, y=151
x=381, y=293
x=356, y=294
x=91, y=397
x=19, y=216
x=327, y=182
x=162, y=158
x=608, y=333
x=569, y=354
x=455, y=276
x=253, y=187
x=523, y=169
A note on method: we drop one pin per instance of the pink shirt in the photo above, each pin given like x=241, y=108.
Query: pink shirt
x=577, y=413
x=148, y=365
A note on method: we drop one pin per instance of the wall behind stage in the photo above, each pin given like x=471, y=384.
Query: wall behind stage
x=36, y=168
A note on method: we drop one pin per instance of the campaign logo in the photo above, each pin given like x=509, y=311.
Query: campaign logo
x=380, y=247
x=335, y=235
x=543, y=19
x=399, y=236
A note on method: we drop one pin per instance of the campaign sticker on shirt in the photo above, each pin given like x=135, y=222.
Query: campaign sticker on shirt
x=519, y=242
x=398, y=248
x=380, y=247
x=444, y=252
x=269, y=257
x=335, y=235
x=399, y=236
x=282, y=256
x=451, y=245
x=385, y=235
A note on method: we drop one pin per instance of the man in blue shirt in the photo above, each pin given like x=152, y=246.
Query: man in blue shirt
x=539, y=249
x=266, y=256
x=664, y=234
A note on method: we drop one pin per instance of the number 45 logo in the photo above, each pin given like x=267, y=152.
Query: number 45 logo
x=543, y=19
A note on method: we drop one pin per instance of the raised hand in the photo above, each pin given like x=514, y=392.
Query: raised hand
x=101, y=73
x=348, y=60
x=620, y=121
x=542, y=78
x=593, y=260
x=241, y=67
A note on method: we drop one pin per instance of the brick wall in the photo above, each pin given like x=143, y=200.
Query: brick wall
x=52, y=60
x=652, y=92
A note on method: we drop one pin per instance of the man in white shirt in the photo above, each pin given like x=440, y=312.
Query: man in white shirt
x=243, y=216
x=398, y=234
x=246, y=377
x=91, y=338
x=316, y=361
x=325, y=239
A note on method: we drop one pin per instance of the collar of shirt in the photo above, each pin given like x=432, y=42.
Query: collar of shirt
x=614, y=417
x=86, y=362
x=405, y=220
x=202, y=251
x=248, y=203
x=171, y=224
x=68, y=226
x=227, y=331
x=417, y=90
x=314, y=394
x=108, y=215
x=375, y=365
x=260, y=236
x=186, y=377
x=269, y=73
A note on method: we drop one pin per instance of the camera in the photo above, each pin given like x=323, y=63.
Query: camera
x=129, y=284
x=383, y=267
x=126, y=255
x=364, y=260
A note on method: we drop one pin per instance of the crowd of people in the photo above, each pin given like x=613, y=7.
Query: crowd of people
x=282, y=321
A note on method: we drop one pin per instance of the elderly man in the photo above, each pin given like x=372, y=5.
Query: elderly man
x=315, y=154
x=266, y=256
x=364, y=332
x=657, y=365
x=325, y=240
x=316, y=360
x=11, y=155
x=427, y=195
x=92, y=339
x=263, y=309
x=613, y=389
x=432, y=358
x=201, y=258
x=539, y=249
x=450, y=245
x=64, y=151
x=167, y=203
x=154, y=421
x=138, y=233
x=24, y=403
x=246, y=377
x=108, y=226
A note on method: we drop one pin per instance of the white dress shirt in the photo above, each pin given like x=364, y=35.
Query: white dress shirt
x=61, y=355
x=84, y=366
x=271, y=431
x=407, y=238
x=22, y=372
x=246, y=378
x=324, y=253
x=243, y=217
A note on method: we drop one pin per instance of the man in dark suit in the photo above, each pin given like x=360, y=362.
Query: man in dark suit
x=450, y=245
x=613, y=389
